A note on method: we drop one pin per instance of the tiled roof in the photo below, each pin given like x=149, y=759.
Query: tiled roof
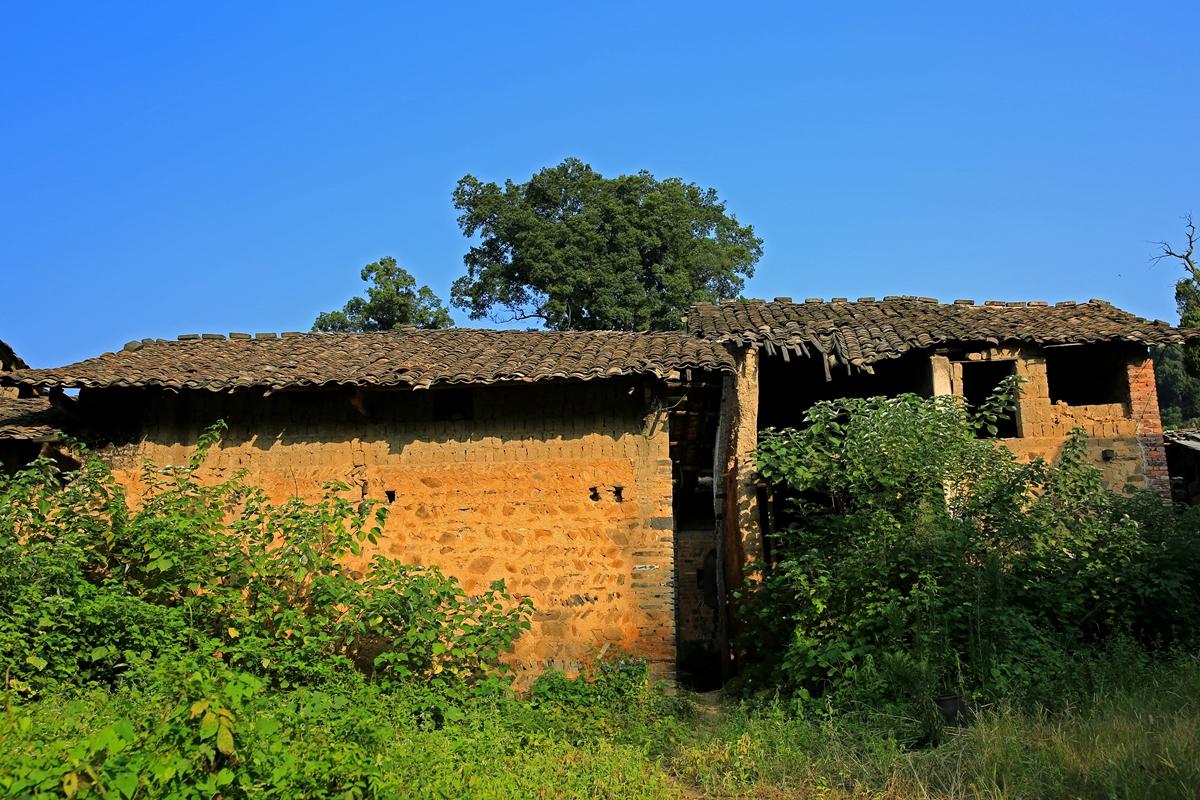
x=404, y=358
x=865, y=331
x=29, y=418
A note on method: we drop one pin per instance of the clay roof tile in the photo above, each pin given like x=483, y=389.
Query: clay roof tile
x=870, y=330
x=409, y=357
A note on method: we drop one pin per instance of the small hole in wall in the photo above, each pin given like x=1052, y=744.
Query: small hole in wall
x=594, y=493
x=619, y=494
x=391, y=495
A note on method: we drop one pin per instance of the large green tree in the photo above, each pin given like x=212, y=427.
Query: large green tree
x=579, y=251
x=393, y=300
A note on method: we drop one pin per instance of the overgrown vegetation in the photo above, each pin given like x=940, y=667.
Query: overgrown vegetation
x=917, y=561
x=208, y=643
x=213, y=596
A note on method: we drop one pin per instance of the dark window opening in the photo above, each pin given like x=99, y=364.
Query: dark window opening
x=391, y=495
x=619, y=494
x=788, y=388
x=980, y=380
x=1086, y=375
x=453, y=405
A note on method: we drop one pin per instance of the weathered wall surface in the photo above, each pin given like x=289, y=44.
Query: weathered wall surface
x=1124, y=438
x=1143, y=397
x=562, y=490
x=697, y=613
x=743, y=538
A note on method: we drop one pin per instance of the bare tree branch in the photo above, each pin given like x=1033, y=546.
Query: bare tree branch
x=1186, y=256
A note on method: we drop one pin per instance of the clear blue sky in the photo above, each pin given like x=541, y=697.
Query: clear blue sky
x=169, y=169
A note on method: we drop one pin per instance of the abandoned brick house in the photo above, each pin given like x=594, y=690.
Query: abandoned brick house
x=1084, y=365
x=606, y=475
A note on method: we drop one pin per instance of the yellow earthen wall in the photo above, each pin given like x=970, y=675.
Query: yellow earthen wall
x=1129, y=432
x=562, y=490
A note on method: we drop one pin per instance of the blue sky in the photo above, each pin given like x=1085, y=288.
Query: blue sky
x=170, y=169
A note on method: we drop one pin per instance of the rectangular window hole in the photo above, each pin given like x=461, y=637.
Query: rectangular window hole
x=980, y=379
x=1086, y=375
x=391, y=495
x=453, y=405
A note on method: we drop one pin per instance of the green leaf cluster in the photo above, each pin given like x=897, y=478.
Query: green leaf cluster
x=1175, y=373
x=182, y=731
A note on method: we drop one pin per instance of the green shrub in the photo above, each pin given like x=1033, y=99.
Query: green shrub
x=917, y=559
x=89, y=588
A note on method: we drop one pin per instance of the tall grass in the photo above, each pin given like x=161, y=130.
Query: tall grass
x=1137, y=736
x=1135, y=733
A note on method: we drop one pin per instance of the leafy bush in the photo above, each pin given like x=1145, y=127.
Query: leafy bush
x=916, y=559
x=89, y=588
x=348, y=738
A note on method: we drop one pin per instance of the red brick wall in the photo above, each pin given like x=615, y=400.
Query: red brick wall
x=1143, y=400
x=697, y=620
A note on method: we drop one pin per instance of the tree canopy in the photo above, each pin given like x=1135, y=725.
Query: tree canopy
x=393, y=300
x=579, y=251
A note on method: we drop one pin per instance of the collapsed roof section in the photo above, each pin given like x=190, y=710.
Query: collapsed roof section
x=9, y=360
x=29, y=419
x=863, y=332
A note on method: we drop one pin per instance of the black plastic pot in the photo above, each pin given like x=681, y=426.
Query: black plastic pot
x=953, y=708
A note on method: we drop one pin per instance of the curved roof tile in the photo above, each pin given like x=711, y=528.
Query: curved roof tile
x=869, y=331
x=28, y=418
x=403, y=358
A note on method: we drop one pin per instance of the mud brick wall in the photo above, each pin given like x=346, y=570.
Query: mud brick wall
x=561, y=489
x=697, y=620
x=1124, y=438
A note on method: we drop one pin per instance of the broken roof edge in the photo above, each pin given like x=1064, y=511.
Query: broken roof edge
x=29, y=419
x=797, y=345
x=33, y=380
x=869, y=331
x=9, y=358
x=910, y=298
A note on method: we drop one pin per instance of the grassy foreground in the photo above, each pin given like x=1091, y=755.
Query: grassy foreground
x=1137, y=737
